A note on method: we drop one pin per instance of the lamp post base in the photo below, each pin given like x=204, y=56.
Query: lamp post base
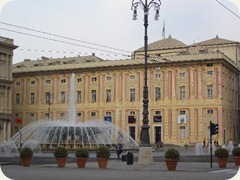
x=145, y=155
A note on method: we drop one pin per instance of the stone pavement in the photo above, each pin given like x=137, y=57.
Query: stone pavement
x=119, y=170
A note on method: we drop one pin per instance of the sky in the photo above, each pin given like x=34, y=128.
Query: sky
x=109, y=23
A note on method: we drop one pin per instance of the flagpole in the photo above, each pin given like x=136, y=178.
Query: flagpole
x=163, y=30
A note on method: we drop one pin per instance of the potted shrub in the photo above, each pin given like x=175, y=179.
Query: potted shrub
x=102, y=154
x=172, y=156
x=236, y=155
x=222, y=155
x=61, y=155
x=26, y=155
x=82, y=155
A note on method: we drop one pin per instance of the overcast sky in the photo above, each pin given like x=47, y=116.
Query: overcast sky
x=109, y=23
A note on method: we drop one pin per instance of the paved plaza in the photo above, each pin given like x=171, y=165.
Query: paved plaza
x=118, y=170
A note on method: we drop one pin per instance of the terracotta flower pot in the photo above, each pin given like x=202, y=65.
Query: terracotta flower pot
x=61, y=162
x=102, y=163
x=26, y=162
x=222, y=162
x=81, y=162
x=171, y=164
x=236, y=160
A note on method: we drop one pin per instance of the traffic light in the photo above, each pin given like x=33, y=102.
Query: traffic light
x=213, y=128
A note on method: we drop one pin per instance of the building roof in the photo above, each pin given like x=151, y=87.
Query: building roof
x=180, y=58
x=7, y=42
x=215, y=41
x=167, y=43
x=44, y=61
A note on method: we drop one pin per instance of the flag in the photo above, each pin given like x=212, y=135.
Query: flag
x=163, y=31
x=18, y=121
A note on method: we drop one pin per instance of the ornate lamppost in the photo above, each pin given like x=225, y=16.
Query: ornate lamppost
x=48, y=97
x=146, y=7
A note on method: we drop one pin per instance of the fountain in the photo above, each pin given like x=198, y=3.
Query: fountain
x=8, y=147
x=51, y=133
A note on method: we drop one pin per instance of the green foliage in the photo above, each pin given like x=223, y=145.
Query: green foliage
x=221, y=153
x=103, y=152
x=60, y=152
x=26, y=152
x=172, y=154
x=82, y=153
x=236, y=151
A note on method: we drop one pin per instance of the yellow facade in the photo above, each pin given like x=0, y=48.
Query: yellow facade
x=187, y=90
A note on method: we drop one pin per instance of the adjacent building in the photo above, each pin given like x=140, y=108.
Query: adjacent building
x=189, y=86
x=6, y=54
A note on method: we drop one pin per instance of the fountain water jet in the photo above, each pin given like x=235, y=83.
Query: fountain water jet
x=72, y=134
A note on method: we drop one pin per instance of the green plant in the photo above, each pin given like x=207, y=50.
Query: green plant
x=236, y=151
x=221, y=153
x=26, y=152
x=82, y=153
x=172, y=154
x=103, y=152
x=60, y=152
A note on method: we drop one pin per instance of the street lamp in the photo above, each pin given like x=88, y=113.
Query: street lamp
x=48, y=97
x=146, y=7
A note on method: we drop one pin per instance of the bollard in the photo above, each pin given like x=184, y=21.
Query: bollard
x=130, y=158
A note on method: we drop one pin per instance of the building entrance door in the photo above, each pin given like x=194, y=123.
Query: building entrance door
x=158, y=133
x=132, y=131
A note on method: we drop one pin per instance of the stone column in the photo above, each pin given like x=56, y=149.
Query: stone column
x=4, y=130
x=8, y=130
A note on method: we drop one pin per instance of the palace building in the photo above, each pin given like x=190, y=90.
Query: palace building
x=6, y=54
x=189, y=86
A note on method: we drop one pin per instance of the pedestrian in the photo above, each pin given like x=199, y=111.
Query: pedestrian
x=118, y=150
x=124, y=155
x=159, y=144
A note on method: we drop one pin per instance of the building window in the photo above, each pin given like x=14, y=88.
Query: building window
x=46, y=114
x=94, y=96
x=32, y=82
x=79, y=114
x=182, y=74
x=48, y=81
x=182, y=132
x=157, y=75
x=63, y=96
x=47, y=97
x=210, y=111
x=132, y=77
x=108, y=113
x=63, y=81
x=157, y=94
x=108, y=94
x=17, y=98
x=132, y=113
x=132, y=95
x=182, y=92
x=157, y=112
x=31, y=114
x=209, y=72
x=131, y=119
x=79, y=96
x=182, y=112
x=18, y=83
x=93, y=114
x=210, y=91
x=94, y=79
x=62, y=114
x=32, y=98
x=79, y=79
x=108, y=78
